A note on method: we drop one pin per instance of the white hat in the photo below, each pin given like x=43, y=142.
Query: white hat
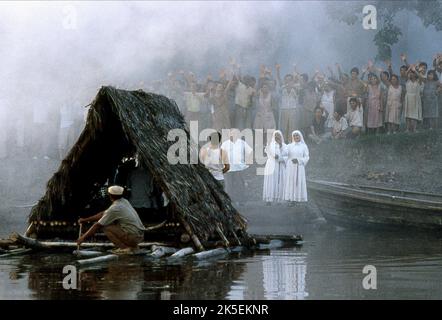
x=115, y=190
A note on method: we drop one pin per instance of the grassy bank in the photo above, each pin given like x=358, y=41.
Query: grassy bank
x=403, y=160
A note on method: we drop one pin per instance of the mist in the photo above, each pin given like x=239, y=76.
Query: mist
x=56, y=53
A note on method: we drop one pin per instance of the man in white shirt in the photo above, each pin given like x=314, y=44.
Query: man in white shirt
x=244, y=94
x=289, y=110
x=240, y=154
x=194, y=101
x=354, y=119
x=340, y=126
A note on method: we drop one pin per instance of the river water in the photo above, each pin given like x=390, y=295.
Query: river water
x=329, y=265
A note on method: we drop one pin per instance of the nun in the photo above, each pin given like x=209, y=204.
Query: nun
x=274, y=171
x=295, y=186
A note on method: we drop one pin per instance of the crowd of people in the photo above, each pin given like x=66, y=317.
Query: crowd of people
x=41, y=131
x=336, y=105
x=332, y=105
x=323, y=106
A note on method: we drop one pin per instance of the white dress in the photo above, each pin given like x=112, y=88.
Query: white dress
x=328, y=102
x=274, y=172
x=295, y=188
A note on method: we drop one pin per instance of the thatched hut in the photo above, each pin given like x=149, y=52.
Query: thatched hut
x=120, y=123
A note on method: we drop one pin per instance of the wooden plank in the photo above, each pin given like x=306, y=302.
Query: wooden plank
x=159, y=251
x=27, y=242
x=210, y=253
x=182, y=253
x=107, y=258
x=6, y=243
x=15, y=252
x=48, y=245
x=87, y=254
x=273, y=244
x=268, y=237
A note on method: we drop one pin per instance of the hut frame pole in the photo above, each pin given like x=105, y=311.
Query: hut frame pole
x=79, y=235
x=236, y=237
x=195, y=239
x=221, y=234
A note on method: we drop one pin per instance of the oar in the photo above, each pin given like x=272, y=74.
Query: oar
x=79, y=235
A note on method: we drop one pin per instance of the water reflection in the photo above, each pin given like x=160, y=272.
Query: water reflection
x=284, y=276
x=276, y=274
x=40, y=276
x=328, y=266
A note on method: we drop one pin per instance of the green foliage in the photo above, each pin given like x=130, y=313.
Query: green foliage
x=387, y=36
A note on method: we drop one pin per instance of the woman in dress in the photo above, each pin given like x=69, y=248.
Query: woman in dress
x=412, y=101
x=295, y=186
x=430, y=98
x=220, y=107
x=394, y=105
x=265, y=118
x=328, y=104
x=374, y=105
x=274, y=171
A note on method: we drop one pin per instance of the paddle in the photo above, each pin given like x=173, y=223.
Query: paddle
x=79, y=235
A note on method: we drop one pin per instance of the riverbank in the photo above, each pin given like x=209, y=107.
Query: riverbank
x=402, y=161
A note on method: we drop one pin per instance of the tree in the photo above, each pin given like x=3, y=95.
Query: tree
x=388, y=33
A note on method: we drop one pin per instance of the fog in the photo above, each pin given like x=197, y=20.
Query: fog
x=55, y=53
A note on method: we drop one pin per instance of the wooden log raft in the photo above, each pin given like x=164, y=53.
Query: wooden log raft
x=210, y=253
x=182, y=253
x=6, y=243
x=87, y=254
x=60, y=245
x=28, y=242
x=109, y=257
x=288, y=239
x=158, y=252
x=15, y=252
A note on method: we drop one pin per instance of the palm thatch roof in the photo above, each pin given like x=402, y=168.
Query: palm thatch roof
x=122, y=122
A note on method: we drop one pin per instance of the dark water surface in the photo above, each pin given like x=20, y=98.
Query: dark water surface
x=328, y=266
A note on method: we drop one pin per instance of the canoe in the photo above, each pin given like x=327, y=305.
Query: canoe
x=376, y=206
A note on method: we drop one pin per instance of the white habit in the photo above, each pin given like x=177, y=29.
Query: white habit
x=274, y=171
x=295, y=183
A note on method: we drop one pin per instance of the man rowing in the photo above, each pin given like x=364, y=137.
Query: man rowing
x=120, y=222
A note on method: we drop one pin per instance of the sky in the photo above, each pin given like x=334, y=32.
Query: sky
x=54, y=52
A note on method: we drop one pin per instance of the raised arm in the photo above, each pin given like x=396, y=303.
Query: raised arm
x=338, y=67
x=332, y=75
x=404, y=59
x=278, y=74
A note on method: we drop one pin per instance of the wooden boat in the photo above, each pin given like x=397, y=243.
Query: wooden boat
x=376, y=206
